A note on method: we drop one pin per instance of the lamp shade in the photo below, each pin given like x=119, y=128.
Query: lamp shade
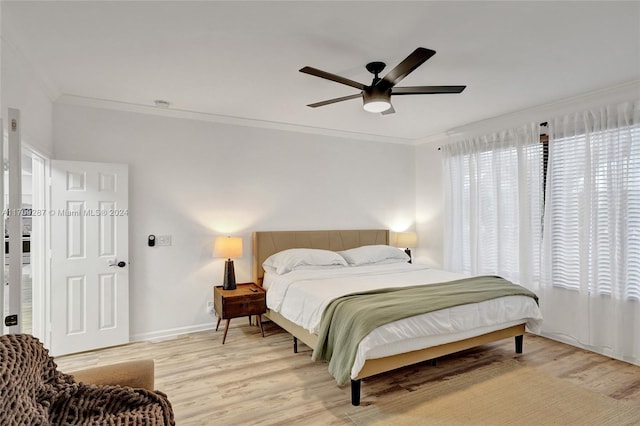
x=406, y=239
x=228, y=247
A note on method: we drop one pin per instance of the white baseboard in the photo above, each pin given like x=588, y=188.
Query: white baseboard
x=601, y=351
x=170, y=333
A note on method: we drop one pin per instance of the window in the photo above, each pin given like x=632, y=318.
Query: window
x=595, y=211
x=584, y=261
x=494, y=204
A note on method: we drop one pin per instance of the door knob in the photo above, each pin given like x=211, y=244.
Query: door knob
x=120, y=264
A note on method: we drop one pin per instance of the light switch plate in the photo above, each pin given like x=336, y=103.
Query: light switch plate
x=164, y=240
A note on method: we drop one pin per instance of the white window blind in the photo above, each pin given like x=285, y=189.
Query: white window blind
x=594, y=208
x=493, y=201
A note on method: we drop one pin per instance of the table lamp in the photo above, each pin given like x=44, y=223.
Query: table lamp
x=407, y=240
x=228, y=247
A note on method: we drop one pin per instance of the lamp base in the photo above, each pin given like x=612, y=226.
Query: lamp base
x=229, y=282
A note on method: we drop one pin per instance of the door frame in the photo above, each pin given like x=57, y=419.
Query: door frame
x=13, y=220
x=4, y=137
x=40, y=243
x=12, y=149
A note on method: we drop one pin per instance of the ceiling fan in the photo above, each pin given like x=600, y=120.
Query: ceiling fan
x=377, y=96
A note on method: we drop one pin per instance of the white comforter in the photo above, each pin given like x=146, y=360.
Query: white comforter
x=301, y=296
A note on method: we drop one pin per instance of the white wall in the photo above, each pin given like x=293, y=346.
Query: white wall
x=429, y=205
x=21, y=89
x=195, y=180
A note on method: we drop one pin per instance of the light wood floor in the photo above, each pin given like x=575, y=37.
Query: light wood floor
x=255, y=380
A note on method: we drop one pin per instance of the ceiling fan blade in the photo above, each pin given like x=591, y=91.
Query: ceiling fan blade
x=426, y=90
x=332, y=77
x=389, y=111
x=410, y=63
x=334, y=100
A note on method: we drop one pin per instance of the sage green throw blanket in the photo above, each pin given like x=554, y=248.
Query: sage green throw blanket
x=349, y=319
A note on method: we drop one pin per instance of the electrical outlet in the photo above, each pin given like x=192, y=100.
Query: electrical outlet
x=164, y=240
x=209, y=307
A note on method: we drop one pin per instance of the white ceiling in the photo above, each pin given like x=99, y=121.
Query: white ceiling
x=241, y=59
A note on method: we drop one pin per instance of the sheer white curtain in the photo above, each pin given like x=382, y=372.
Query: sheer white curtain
x=493, y=205
x=590, y=290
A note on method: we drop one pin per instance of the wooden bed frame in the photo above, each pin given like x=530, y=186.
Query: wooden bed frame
x=267, y=243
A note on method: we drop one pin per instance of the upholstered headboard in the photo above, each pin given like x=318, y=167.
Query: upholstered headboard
x=269, y=242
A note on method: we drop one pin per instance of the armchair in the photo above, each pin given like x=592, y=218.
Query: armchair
x=135, y=374
x=33, y=391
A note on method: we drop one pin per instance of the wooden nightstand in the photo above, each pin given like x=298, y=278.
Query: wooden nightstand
x=246, y=300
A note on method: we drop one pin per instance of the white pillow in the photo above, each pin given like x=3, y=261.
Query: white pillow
x=302, y=258
x=380, y=254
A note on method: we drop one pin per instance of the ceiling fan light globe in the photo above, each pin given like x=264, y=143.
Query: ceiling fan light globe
x=375, y=100
x=376, y=105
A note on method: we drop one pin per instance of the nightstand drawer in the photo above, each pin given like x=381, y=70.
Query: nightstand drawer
x=229, y=300
x=241, y=307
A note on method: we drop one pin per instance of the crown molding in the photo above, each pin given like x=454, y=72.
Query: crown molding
x=74, y=100
x=435, y=138
x=614, y=94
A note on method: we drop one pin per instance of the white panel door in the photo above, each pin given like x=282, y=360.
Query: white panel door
x=89, y=256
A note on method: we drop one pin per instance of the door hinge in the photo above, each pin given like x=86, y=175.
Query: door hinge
x=14, y=125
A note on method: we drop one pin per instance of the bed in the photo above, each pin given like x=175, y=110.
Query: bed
x=411, y=342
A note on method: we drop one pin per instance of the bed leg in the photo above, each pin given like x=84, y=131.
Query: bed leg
x=519, y=340
x=355, y=392
x=295, y=345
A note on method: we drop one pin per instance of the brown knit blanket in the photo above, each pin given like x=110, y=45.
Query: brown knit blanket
x=33, y=392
